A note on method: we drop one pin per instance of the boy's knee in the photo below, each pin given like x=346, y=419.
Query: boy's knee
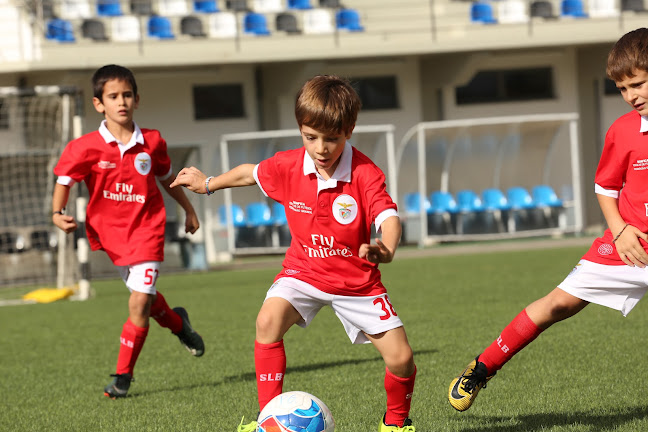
x=266, y=325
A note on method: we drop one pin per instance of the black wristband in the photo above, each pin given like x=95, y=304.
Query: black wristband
x=61, y=212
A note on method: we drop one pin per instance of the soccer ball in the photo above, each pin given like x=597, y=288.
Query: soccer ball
x=296, y=411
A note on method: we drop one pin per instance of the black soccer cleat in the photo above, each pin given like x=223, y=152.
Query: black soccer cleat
x=118, y=387
x=189, y=338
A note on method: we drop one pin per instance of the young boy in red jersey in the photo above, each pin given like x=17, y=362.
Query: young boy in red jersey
x=613, y=272
x=125, y=215
x=332, y=194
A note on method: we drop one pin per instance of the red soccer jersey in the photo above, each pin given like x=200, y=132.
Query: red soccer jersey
x=329, y=219
x=623, y=167
x=125, y=214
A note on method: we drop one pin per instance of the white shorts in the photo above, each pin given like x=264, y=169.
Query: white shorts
x=140, y=277
x=359, y=315
x=617, y=287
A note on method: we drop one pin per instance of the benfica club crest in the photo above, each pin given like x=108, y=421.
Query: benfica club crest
x=345, y=209
x=143, y=163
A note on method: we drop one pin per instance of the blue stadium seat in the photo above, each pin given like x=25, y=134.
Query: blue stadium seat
x=443, y=207
x=413, y=203
x=572, y=8
x=159, y=27
x=544, y=196
x=238, y=217
x=109, y=8
x=279, y=214
x=256, y=24
x=482, y=12
x=348, y=19
x=59, y=30
x=442, y=202
x=496, y=208
x=258, y=214
x=205, y=6
x=299, y=4
x=494, y=199
x=519, y=198
x=469, y=201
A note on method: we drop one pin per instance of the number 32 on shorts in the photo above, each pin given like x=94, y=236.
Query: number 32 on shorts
x=386, y=307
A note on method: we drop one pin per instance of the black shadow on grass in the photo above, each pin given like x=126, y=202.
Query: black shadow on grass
x=543, y=421
x=251, y=376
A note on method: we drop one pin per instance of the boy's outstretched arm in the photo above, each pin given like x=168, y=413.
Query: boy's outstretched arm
x=627, y=237
x=191, y=218
x=59, y=201
x=384, y=249
x=194, y=180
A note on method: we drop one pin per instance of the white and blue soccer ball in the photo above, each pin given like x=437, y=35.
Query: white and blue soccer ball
x=296, y=411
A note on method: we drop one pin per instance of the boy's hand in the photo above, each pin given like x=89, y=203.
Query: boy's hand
x=191, y=222
x=378, y=253
x=630, y=249
x=191, y=178
x=64, y=222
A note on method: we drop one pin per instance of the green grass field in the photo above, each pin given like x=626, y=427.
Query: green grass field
x=581, y=375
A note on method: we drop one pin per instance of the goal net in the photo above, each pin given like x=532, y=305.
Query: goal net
x=35, y=125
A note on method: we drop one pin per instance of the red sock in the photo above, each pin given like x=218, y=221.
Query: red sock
x=131, y=343
x=399, y=397
x=164, y=315
x=270, y=365
x=515, y=336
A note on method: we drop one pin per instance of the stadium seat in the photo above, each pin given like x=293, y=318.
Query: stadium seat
x=482, y=12
x=299, y=4
x=258, y=214
x=267, y=6
x=542, y=9
x=281, y=233
x=9, y=242
x=141, y=7
x=519, y=198
x=42, y=240
x=94, y=29
x=348, y=19
x=192, y=26
x=47, y=6
x=74, y=9
x=318, y=21
x=469, y=212
x=169, y=8
x=222, y=25
x=632, y=5
x=59, y=30
x=603, y=8
x=287, y=22
x=238, y=217
x=512, y=12
x=572, y=9
x=125, y=29
x=159, y=27
x=256, y=24
x=553, y=212
x=443, y=207
x=333, y=4
x=237, y=5
x=205, y=6
x=496, y=208
x=109, y=8
x=413, y=203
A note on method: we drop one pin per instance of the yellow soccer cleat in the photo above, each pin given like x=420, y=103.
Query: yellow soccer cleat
x=250, y=427
x=464, y=389
x=407, y=427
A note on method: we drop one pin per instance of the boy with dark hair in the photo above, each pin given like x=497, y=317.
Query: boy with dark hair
x=125, y=215
x=613, y=272
x=332, y=194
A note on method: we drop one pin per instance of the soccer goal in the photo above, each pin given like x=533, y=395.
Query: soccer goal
x=490, y=178
x=35, y=125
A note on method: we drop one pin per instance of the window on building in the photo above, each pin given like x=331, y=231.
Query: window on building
x=377, y=93
x=218, y=101
x=507, y=85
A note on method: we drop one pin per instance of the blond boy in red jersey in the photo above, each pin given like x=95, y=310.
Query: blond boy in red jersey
x=332, y=194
